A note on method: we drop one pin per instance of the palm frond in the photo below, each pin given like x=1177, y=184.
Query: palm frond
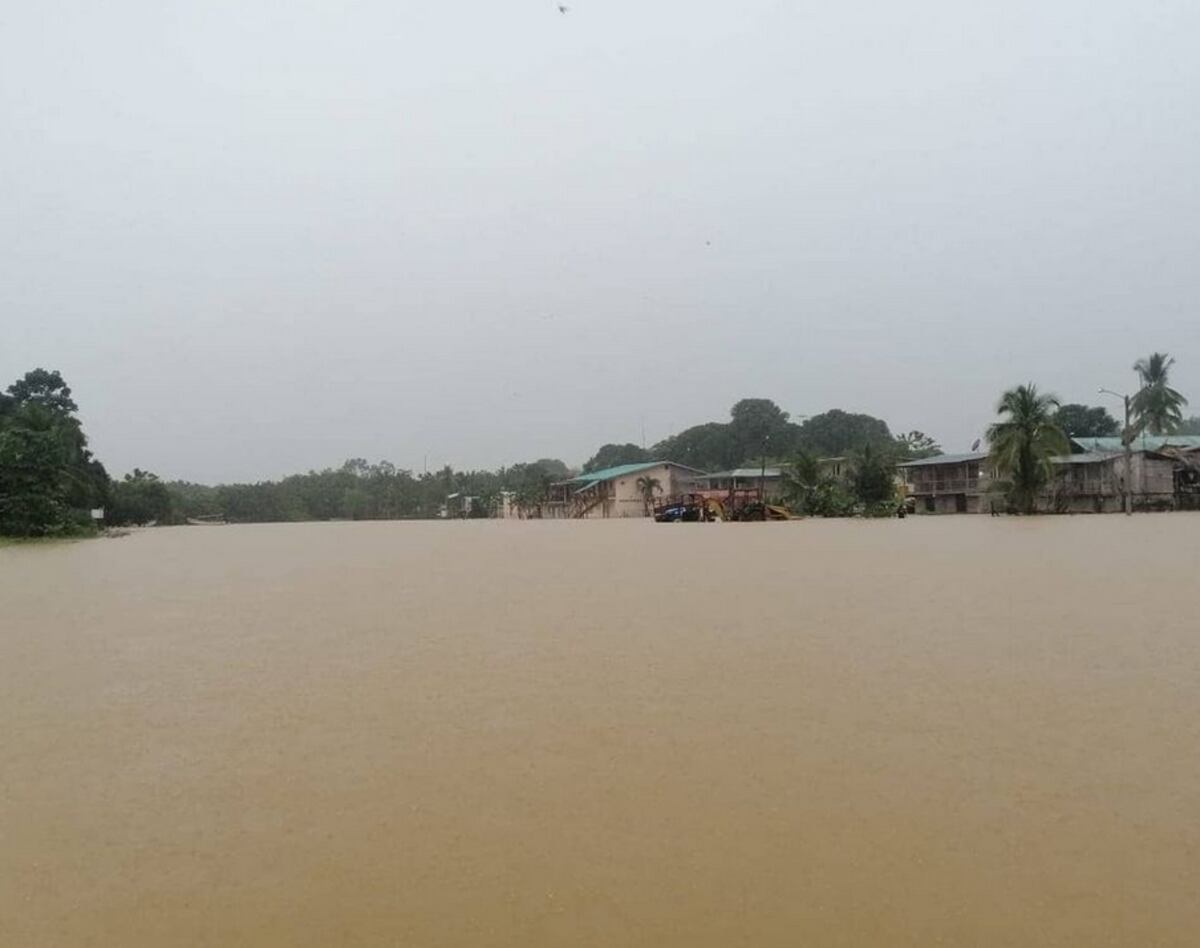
x=1024, y=442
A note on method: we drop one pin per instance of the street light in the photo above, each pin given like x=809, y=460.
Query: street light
x=1126, y=440
x=762, y=477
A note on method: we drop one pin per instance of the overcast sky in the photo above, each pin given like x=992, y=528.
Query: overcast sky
x=259, y=237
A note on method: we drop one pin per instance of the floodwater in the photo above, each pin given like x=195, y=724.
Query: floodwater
x=959, y=731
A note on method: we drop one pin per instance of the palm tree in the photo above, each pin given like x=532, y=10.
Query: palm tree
x=1024, y=441
x=1157, y=407
x=648, y=486
x=803, y=473
x=812, y=491
x=874, y=477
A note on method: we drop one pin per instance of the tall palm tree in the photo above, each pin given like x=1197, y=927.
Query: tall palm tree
x=1024, y=441
x=648, y=486
x=1157, y=407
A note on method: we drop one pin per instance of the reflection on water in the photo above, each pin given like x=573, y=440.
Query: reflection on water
x=962, y=731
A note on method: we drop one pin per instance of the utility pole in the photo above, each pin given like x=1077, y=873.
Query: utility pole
x=762, y=477
x=1127, y=441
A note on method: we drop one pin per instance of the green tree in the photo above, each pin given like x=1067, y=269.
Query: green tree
x=810, y=491
x=44, y=388
x=1156, y=407
x=1083, y=421
x=1023, y=443
x=48, y=477
x=1189, y=426
x=708, y=447
x=873, y=477
x=613, y=455
x=530, y=484
x=193, y=500
x=915, y=445
x=759, y=426
x=836, y=433
x=554, y=468
x=648, y=487
x=34, y=460
x=139, y=499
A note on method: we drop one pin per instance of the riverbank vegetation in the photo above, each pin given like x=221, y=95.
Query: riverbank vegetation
x=49, y=480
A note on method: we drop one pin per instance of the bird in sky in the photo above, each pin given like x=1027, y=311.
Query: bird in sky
x=563, y=8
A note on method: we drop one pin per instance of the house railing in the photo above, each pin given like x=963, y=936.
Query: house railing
x=958, y=486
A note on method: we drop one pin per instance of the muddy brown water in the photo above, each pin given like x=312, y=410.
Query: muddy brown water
x=959, y=731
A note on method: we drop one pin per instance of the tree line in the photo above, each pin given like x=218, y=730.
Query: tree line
x=50, y=480
x=758, y=428
x=360, y=490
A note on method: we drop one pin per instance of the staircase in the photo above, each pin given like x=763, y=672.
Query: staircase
x=583, y=510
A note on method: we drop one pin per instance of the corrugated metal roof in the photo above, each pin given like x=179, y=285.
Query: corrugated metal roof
x=946, y=459
x=743, y=472
x=1088, y=457
x=1143, y=442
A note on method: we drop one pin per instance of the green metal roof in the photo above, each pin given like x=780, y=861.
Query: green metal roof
x=1143, y=442
x=608, y=473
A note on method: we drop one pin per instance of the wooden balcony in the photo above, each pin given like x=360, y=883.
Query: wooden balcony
x=968, y=485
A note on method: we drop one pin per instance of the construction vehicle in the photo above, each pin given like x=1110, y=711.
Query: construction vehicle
x=713, y=506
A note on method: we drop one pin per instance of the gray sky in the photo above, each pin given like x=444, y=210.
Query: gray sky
x=261, y=237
